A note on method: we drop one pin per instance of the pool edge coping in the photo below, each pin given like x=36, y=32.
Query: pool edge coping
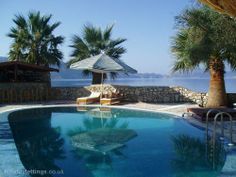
x=95, y=105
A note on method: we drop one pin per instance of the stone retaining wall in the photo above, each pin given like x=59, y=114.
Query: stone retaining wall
x=150, y=94
x=25, y=92
x=68, y=93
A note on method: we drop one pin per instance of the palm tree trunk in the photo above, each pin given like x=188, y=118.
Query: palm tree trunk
x=97, y=78
x=217, y=96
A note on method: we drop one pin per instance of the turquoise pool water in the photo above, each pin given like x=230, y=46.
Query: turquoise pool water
x=94, y=142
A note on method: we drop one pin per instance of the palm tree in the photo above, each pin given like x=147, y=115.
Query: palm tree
x=92, y=42
x=206, y=38
x=34, y=41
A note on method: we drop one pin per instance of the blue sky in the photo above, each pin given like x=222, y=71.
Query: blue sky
x=147, y=24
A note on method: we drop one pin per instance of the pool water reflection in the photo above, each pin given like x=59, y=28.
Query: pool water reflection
x=74, y=142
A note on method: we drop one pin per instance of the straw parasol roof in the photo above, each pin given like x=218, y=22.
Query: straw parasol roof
x=223, y=6
x=102, y=63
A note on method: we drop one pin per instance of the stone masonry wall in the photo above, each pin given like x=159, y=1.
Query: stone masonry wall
x=37, y=92
x=150, y=94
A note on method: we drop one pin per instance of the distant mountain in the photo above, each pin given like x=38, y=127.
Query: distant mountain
x=200, y=73
x=66, y=73
x=194, y=74
x=141, y=75
x=3, y=59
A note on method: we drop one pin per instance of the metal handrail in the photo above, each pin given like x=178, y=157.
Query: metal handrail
x=221, y=114
x=207, y=130
x=207, y=119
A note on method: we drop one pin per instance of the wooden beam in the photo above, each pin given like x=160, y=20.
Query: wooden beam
x=16, y=72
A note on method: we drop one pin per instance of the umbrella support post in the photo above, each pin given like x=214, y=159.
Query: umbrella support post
x=101, y=89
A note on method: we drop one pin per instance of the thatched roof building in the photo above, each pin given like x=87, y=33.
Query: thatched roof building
x=223, y=6
x=15, y=71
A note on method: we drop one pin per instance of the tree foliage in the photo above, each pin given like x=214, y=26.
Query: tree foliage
x=34, y=41
x=204, y=35
x=94, y=41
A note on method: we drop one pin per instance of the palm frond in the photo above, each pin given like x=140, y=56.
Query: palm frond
x=183, y=65
x=107, y=33
x=33, y=40
x=116, y=42
x=20, y=21
x=201, y=36
x=93, y=41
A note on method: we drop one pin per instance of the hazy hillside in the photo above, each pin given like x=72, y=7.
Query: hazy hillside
x=201, y=74
x=2, y=59
x=196, y=73
x=66, y=73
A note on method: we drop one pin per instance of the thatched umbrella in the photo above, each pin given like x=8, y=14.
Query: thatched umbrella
x=103, y=64
x=223, y=6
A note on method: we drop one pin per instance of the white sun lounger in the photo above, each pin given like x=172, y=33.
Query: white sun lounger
x=94, y=97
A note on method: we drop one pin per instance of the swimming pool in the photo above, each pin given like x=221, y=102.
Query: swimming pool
x=106, y=142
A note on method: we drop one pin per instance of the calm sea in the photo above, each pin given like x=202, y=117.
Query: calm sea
x=195, y=84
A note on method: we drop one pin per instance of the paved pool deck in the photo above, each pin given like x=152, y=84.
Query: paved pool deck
x=229, y=169
x=177, y=109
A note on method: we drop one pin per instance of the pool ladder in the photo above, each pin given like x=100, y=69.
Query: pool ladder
x=220, y=115
x=212, y=145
